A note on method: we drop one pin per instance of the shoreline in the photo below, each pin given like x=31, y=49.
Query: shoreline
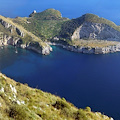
x=89, y=50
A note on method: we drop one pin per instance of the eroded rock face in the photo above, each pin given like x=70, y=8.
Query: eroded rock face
x=89, y=30
x=5, y=24
x=90, y=50
x=46, y=50
x=38, y=48
x=17, y=41
x=8, y=25
x=21, y=33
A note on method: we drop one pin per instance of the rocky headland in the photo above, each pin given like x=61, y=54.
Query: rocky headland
x=17, y=38
x=40, y=30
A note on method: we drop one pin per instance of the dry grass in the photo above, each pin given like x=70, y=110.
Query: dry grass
x=39, y=105
x=94, y=43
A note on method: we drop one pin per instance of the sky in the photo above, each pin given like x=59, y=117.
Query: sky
x=109, y=9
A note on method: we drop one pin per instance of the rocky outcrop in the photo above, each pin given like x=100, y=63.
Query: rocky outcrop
x=89, y=30
x=17, y=41
x=8, y=25
x=5, y=24
x=21, y=33
x=38, y=48
x=89, y=50
x=35, y=46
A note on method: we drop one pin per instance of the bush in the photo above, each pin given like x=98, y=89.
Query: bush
x=88, y=109
x=18, y=83
x=18, y=112
x=81, y=115
x=60, y=104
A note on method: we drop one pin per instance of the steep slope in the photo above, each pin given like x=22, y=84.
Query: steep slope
x=90, y=26
x=20, y=102
x=14, y=34
x=50, y=23
x=45, y=25
x=50, y=26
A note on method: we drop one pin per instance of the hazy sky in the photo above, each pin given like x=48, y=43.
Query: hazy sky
x=109, y=9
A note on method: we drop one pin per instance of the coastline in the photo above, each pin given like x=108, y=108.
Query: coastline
x=89, y=50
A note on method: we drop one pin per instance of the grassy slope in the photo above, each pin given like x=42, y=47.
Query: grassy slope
x=38, y=105
x=93, y=43
x=45, y=25
x=28, y=35
x=70, y=26
x=49, y=23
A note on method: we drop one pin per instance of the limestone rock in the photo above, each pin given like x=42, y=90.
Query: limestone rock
x=89, y=30
x=21, y=33
x=5, y=24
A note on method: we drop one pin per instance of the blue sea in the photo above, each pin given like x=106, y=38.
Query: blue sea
x=83, y=79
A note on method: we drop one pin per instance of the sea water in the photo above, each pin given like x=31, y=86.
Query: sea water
x=83, y=79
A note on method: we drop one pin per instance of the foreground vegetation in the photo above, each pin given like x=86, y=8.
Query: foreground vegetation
x=20, y=102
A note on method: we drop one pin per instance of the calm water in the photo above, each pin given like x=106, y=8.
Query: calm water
x=84, y=80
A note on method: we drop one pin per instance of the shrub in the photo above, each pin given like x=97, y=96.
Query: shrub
x=60, y=104
x=81, y=115
x=18, y=112
x=88, y=109
x=18, y=83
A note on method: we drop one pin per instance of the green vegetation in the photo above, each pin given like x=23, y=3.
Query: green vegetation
x=49, y=14
x=93, y=43
x=70, y=26
x=28, y=36
x=18, y=101
x=49, y=24
x=45, y=25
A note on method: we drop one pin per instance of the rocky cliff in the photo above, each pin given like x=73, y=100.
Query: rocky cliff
x=18, y=37
x=100, y=31
x=90, y=50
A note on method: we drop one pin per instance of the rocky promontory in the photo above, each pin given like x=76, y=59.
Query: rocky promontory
x=40, y=28
x=17, y=36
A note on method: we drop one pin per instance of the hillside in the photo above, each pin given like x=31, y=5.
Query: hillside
x=50, y=23
x=18, y=101
x=14, y=34
x=45, y=25
x=69, y=27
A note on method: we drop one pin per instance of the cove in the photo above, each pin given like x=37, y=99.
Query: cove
x=83, y=79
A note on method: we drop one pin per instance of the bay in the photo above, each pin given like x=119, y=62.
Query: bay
x=83, y=79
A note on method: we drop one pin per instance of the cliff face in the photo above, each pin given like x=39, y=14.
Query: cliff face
x=100, y=31
x=18, y=37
